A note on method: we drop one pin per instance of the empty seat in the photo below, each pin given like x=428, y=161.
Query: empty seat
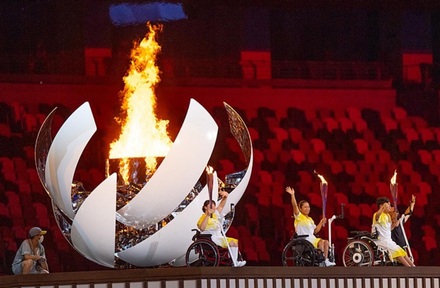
x=426, y=135
x=265, y=177
x=336, y=167
x=350, y=167
x=345, y=124
x=331, y=124
x=360, y=125
x=418, y=122
x=382, y=188
x=411, y=134
x=295, y=135
x=298, y=156
x=318, y=145
x=354, y=113
x=398, y=113
x=405, y=166
x=281, y=134
x=425, y=156
x=370, y=157
x=361, y=145
x=390, y=124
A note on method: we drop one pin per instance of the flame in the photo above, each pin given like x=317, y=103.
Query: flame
x=323, y=181
x=142, y=134
x=393, y=179
x=209, y=169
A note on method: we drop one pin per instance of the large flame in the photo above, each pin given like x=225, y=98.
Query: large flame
x=142, y=134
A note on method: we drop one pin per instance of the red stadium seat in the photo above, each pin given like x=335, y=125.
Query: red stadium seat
x=361, y=146
x=331, y=124
x=354, y=113
x=318, y=145
x=390, y=124
x=360, y=125
x=298, y=156
x=295, y=135
x=426, y=134
x=398, y=113
x=345, y=124
x=418, y=122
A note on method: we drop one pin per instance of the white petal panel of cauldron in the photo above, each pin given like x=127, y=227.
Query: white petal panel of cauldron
x=64, y=154
x=93, y=229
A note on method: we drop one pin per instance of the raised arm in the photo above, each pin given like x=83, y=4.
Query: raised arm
x=381, y=210
x=410, y=208
x=295, y=207
x=222, y=203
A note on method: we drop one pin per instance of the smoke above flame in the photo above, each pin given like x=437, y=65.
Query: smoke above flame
x=143, y=135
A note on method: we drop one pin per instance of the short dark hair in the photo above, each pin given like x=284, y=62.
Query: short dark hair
x=382, y=200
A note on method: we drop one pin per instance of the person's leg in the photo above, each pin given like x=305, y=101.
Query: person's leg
x=27, y=266
x=403, y=261
x=408, y=260
x=323, y=246
x=233, y=244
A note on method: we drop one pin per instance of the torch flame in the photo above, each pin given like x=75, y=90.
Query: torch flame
x=209, y=169
x=142, y=134
x=393, y=179
x=323, y=181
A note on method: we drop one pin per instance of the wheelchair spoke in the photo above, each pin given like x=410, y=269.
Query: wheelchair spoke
x=358, y=253
x=298, y=252
x=202, y=253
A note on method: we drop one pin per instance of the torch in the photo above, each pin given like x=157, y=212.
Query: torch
x=393, y=189
x=209, y=181
x=324, y=188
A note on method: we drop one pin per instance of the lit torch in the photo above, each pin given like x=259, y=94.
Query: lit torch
x=324, y=188
x=393, y=189
x=209, y=181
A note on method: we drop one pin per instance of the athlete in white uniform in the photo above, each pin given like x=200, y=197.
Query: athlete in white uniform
x=383, y=225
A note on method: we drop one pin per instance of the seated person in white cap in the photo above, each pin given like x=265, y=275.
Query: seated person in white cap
x=30, y=257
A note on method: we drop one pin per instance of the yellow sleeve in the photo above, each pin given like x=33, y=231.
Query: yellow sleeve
x=201, y=220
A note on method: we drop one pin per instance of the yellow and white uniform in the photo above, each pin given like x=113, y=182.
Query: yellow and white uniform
x=213, y=227
x=383, y=228
x=304, y=225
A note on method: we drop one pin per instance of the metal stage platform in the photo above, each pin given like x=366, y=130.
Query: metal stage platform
x=228, y=277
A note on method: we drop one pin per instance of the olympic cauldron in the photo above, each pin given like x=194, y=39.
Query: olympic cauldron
x=148, y=221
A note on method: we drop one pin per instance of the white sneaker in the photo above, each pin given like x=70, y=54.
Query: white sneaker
x=328, y=263
x=240, y=263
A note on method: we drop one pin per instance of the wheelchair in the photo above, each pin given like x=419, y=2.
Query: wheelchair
x=361, y=250
x=203, y=252
x=300, y=252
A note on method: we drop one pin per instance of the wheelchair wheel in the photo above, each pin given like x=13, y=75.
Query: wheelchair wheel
x=358, y=253
x=299, y=253
x=202, y=253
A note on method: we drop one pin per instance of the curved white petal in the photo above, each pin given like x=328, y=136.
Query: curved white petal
x=178, y=172
x=64, y=154
x=169, y=242
x=93, y=229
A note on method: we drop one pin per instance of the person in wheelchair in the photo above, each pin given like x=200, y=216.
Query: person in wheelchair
x=382, y=225
x=209, y=224
x=304, y=225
